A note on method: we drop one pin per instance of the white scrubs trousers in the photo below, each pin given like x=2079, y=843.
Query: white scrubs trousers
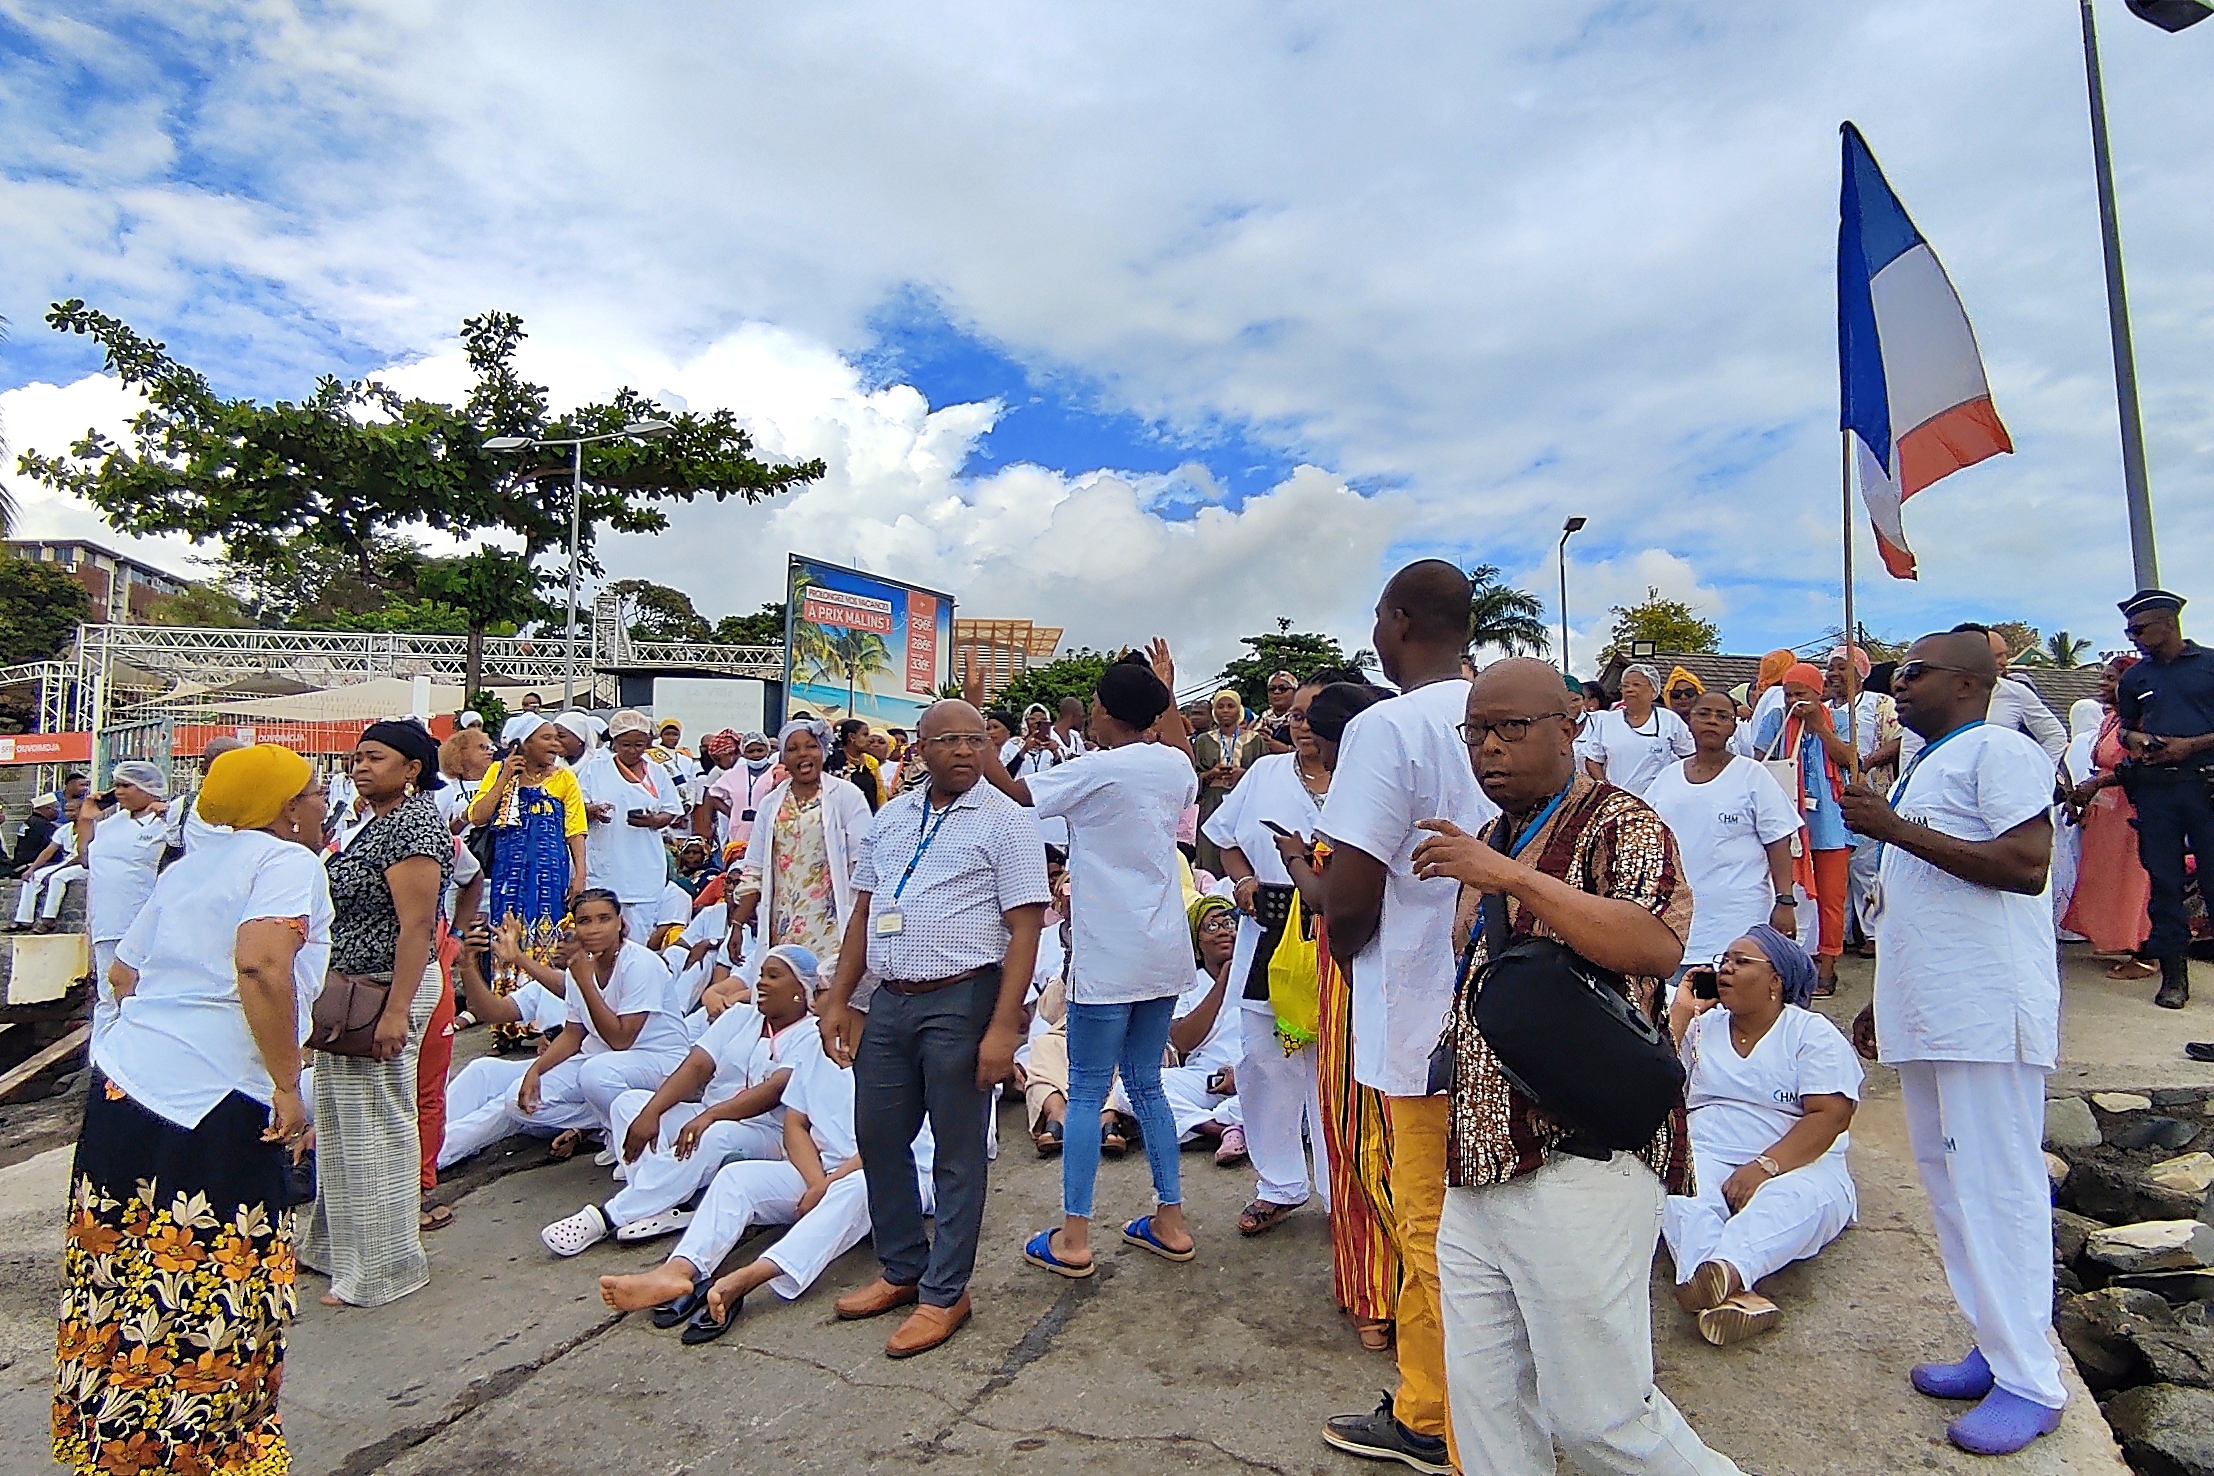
x=53, y=883
x=1860, y=875
x=1788, y=1218
x=607, y=1076
x=1282, y=1105
x=659, y=1180
x=484, y=1083
x=1549, y=1329
x=748, y=1194
x=561, y=1106
x=1977, y=1128
x=1190, y=1103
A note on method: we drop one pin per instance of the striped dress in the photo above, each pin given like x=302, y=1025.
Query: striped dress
x=1364, y=1255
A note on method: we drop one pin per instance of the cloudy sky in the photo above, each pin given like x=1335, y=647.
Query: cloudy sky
x=1164, y=317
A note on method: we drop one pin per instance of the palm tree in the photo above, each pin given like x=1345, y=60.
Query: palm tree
x=2062, y=650
x=856, y=655
x=1503, y=616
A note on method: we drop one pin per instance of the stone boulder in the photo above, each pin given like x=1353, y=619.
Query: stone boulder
x=2118, y=1195
x=2191, y=1174
x=2101, y=1329
x=2070, y=1231
x=2154, y=1245
x=2167, y=1133
x=2069, y=1124
x=2121, y=1101
x=2165, y=1430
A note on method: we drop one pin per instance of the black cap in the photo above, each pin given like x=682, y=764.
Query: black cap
x=2151, y=599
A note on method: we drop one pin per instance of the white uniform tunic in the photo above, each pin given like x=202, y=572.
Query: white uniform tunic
x=1634, y=755
x=1723, y=829
x=1131, y=939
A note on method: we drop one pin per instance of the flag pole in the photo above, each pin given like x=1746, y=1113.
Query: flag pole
x=1852, y=645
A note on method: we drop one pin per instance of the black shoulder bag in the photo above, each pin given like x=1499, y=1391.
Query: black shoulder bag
x=1567, y=1036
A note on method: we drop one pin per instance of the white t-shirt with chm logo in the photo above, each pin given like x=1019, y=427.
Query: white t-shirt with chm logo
x=1723, y=828
x=1966, y=972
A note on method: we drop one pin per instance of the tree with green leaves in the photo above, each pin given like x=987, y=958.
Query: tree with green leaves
x=1299, y=652
x=1503, y=616
x=493, y=590
x=765, y=627
x=345, y=469
x=1671, y=625
x=660, y=613
x=41, y=606
x=2061, y=651
x=1073, y=675
x=201, y=606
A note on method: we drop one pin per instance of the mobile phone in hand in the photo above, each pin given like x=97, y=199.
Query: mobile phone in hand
x=1704, y=984
x=1276, y=829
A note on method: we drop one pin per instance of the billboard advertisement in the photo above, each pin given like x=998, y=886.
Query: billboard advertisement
x=856, y=645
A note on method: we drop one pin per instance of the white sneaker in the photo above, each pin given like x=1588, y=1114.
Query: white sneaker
x=653, y=1227
x=577, y=1234
x=606, y=1158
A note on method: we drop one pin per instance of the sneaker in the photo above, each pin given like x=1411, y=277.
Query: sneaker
x=1231, y=1151
x=606, y=1158
x=577, y=1234
x=1378, y=1436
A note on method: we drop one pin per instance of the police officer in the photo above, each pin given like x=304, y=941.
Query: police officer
x=2166, y=704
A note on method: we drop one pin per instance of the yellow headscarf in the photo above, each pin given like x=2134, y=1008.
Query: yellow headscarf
x=248, y=788
x=1681, y=675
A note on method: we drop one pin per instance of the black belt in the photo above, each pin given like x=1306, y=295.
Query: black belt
x=1578, y=1145
x=909, y=987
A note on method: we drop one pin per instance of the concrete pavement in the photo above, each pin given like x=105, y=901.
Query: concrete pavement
x=508, y=1360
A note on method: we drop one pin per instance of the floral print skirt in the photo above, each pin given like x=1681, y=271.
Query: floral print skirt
x=177, y=1281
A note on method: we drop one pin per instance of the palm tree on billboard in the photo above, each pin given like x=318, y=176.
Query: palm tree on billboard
x=857, y=655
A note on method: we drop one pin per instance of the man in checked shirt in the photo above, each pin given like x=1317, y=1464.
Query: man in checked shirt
x=950, y=895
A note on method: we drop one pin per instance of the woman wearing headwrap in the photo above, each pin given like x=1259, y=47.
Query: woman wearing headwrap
x=630, y=798
x=1857, y=711
x=807, y=834
x=121, y=861
x=538, y=822
x=1629, y=745
x=386, y=882
x=1221, y=754
x=177, y=1267
x=2112, y=892
x=1771, y=1087
x=1801, y=730
x=1683, y=689
x=735, y=795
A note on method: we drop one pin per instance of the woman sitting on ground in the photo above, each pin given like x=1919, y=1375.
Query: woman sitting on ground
x=1206, y=1036
x=623, y=1031
x=1771, y=1088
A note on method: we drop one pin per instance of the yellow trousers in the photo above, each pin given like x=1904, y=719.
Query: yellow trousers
x=1419, y=1129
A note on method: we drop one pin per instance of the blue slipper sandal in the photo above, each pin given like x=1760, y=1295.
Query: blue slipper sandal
x=1038, y=1251
x=1139, y=1232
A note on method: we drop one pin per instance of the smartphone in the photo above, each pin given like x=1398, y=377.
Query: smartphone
x=1218, y=1083
x=1279, y=830
x=1704, y=985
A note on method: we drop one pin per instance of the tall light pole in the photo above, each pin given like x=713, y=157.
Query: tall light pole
x=637, y=430
x=1573, y=525
x=2139, y=496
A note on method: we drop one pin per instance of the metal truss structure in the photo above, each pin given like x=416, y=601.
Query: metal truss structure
x=124, y=671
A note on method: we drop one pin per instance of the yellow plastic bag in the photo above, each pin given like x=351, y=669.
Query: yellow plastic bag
x=1292, y=987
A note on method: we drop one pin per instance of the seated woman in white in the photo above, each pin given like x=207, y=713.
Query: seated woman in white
x=489, y=1081
x=622, y=1031
x=1205, y=1035
x=721, y=1104
x=1771, y=1087
x=818, y=1189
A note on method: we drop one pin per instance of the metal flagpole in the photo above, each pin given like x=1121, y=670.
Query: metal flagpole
x=1852, y=672
x=2139, y=496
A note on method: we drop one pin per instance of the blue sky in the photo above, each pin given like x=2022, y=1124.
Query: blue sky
x=1164, y=314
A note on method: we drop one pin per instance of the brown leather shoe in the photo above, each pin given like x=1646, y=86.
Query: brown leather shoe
x=926, y=1327
x=874, y=1300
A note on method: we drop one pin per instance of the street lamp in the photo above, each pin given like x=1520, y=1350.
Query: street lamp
x=637, y=430
x=1573, y=525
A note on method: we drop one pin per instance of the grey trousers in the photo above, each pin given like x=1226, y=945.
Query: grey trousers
x=918, y=1056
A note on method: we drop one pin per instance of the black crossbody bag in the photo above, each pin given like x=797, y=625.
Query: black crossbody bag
x=1565, y=1034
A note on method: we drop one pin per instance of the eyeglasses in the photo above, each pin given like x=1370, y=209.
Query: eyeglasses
x=1914, y=671
x=2136, y=628
x=957, y=742
x=1739, y=960
x=1282, y=687
x=1510, y=730
x=1219, y=921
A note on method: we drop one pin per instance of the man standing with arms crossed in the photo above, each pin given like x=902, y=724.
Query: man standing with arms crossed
x=949, y=894
x=1968, y=1008
x=1401, y=762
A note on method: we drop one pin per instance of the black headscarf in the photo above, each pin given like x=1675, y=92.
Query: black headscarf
x=409, y=741
x=1132, y=694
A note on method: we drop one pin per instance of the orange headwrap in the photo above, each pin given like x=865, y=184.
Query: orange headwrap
x=1805, y=674
x=1772, y=668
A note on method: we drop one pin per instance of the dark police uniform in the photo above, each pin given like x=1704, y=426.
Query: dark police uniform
x=2175, y=803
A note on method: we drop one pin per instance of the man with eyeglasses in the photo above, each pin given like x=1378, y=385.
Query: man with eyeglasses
x=950, y=893
x=1967, y=1008
x=1545, y=1241
x=2166, y=704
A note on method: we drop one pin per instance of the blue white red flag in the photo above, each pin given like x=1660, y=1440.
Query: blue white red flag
x=1914, y=395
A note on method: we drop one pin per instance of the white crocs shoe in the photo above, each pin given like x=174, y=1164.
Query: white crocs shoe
x=653, y=1227
x=606, y=1158
x=577, y=1234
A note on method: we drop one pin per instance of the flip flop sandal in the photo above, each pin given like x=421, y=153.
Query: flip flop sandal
x=1824, y=990
x=1038, y=1251
x=703, y=1328
x=564, y=1146
x=1260, y=1217
x=653, y=1227
x=1139, y=1232
x=2131, y=968
x=436, y=1217
x=679, y=1312
x=1112, y=1142
x=1049, y=1139
x=1376, y=1337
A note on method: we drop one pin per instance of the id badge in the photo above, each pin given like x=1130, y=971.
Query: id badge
x=889, y=923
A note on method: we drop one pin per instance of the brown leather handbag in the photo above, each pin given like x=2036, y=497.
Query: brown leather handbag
x=346, y=1014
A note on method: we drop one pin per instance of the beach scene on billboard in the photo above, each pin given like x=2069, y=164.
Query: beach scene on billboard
x=858, y=645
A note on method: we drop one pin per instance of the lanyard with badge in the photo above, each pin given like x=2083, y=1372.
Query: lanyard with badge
x=1874, y=897
x=890, y=923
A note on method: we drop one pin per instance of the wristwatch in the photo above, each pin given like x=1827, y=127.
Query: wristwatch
x=1785, y=899
x=1773, y=1169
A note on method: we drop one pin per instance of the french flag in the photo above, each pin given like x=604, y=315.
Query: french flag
x=1913, y=391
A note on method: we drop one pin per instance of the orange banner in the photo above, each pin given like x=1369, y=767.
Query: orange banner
x=190, y=741
x=46, y=748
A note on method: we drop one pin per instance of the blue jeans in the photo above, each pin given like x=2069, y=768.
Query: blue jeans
x=1101, y=1037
